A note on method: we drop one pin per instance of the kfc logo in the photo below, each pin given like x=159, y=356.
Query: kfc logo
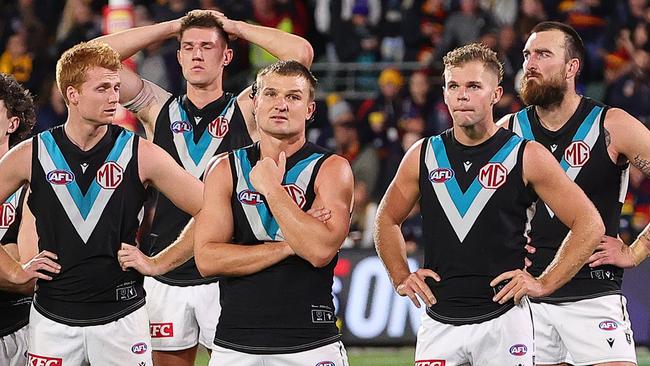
x=430, y=363
x=35, y=360
x=161, y=330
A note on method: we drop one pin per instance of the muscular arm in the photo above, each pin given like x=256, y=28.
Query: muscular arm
x=628, y=140
x=283, y=45
x=553, y=186
x=401, y=196
x=311, y=239
x=394, y=207
x=214, y=252
x=15, y=170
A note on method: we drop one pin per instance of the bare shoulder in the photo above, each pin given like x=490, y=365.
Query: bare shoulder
x=537, y=162
x=335, y=170
x=503, y=121
x=20, y=153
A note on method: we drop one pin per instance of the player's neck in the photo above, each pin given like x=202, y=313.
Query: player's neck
x=475, y=134
x=556, y=116
x=82, y=133
x=271, y=146
x=201, y=96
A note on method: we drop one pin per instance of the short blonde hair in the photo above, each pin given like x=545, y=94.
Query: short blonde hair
x=72, y=66
x=474, y=52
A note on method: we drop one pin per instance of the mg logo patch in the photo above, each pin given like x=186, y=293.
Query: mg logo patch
x=7, y=215
x=577, y=154
x=109, y=176
x=430, y=363
x=492, y=175
x=219, y=127
x=297, y=194
x=36, y=360
x=60, y=177
x=518, y=350
x=181, y=126
x=161, y=330
x=441, y=175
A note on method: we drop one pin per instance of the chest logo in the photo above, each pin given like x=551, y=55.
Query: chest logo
x=249, y=197
x=577, y=154
x=181, y=127
x=441, y=175
x=110, y=175
x=492, y=175
x=60, y=177
x=297, y=194
x=7, y=215
x=219, y=127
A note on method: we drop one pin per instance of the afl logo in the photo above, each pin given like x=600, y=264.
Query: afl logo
x=181, y=126
x=441, y=175
x=518, y=350
x=60, y=177
x=297, y=194
x=109, y=176
x=139, y=348
x=326, y=363
x=7, y=215
x=577, y=154
x=219, y=127
x=608, y=325
x=492, y=175
x=249, y=197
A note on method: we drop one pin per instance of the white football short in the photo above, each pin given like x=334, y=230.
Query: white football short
x=584, y=332
x=122, y=342
x=333, y=354
x=506, y=340
x=13, y=348
x=182, y=316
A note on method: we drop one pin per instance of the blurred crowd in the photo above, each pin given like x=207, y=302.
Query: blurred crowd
x=372, y=134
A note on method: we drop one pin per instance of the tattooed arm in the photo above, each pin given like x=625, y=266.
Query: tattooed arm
x=627, y=140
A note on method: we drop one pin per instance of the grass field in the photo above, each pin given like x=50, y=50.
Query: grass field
x=400, y=357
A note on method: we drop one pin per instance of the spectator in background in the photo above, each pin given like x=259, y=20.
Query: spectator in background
x=16, y=59
x=286, y=15
x=631, y=90
x=420, y=103
x=50, y=108
x=531, y=12
x=164, y=10
x=365, y=168
x=465, y=26
x=380, y=115
x=423, y=30
x=77, y=25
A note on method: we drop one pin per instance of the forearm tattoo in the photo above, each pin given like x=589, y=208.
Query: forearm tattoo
x=642, y=164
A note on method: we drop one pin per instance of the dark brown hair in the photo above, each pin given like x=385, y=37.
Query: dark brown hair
x=19, y=103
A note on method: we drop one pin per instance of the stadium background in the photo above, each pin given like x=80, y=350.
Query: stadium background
x=379, y=67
